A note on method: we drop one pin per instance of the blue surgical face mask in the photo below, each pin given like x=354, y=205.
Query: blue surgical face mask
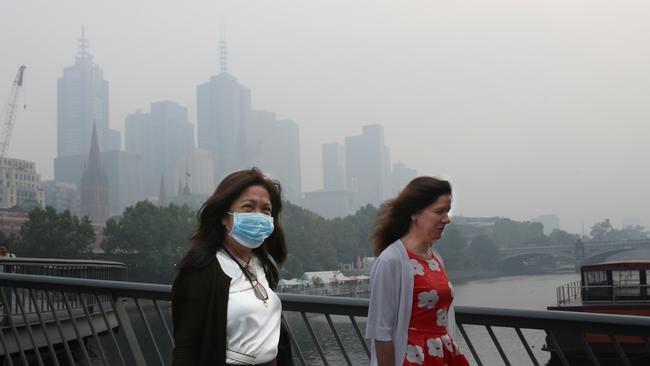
x=250, y=229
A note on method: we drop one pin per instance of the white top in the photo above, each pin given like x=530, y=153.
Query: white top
x=391, y=299
x=252, y=327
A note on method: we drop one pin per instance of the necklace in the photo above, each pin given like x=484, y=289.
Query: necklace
x=249, y=272
x=425, y=256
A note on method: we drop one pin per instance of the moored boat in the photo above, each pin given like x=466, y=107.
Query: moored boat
x=614, y=287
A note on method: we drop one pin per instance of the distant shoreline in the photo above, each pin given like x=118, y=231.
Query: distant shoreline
x=462, y=276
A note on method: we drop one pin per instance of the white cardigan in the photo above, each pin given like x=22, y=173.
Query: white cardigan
x=391, y=298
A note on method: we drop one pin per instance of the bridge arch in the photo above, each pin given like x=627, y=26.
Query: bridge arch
x=531, y=261
x=602, y=256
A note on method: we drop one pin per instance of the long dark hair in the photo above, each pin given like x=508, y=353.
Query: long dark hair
x=210, y=234
x=395, y=216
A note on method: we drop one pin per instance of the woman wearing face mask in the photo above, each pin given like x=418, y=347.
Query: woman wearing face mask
x=224, y=308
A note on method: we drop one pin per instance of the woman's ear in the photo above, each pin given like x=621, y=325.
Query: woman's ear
x=225, y=221
x=415, y=216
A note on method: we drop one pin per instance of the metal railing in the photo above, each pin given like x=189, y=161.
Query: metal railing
x=575, y=294
x=130, y=324
x=77, y=268
x=568, y=293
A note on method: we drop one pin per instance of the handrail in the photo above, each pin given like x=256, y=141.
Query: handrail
x=129, y=305
x=575, y=292
x=86, y=262
x=120, y=288
x=542, y=319
x=316, y=304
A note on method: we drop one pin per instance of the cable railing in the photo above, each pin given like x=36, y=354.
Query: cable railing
x=130, y=324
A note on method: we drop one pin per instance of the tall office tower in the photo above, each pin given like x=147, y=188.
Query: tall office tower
x=94, y=186
x=223, y=117
x=333, y=167
x=62, y=196
x=197, y=169
x=367, y=166
x=400, y=177
x=275, y=147
x=83, y=102
x=160, y=138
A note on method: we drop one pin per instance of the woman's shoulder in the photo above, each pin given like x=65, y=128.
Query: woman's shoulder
x=198, y=276
x=392, y=258
x=395, y=252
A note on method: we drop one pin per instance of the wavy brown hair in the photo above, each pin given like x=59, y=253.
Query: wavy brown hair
x=395, y=216
x=210, y=234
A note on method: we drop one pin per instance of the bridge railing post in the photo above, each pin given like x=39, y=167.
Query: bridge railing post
x=127, y=328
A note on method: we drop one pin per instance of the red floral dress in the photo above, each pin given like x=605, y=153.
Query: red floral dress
x=428, y=341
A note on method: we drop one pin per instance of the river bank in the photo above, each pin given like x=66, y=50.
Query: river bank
x=462, y=276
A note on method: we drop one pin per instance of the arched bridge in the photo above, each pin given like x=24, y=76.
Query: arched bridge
x=589, y=252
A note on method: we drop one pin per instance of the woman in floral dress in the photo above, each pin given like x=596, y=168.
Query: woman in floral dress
x=410, y=319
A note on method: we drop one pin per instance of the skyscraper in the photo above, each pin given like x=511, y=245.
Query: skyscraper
x=62, y=196
x=94, y=186
x=161, y=138
x=83, y=102
x=333, y=167
x=197, y=168
x=368, y=166
x=223, y=117
x=400, y=177
x=275, y=147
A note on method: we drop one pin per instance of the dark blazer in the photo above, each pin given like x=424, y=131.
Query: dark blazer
x=199, y=312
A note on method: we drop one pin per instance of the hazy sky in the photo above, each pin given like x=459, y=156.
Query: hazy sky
x=529, y=107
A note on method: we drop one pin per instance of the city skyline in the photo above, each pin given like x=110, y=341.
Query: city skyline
x=520, y=101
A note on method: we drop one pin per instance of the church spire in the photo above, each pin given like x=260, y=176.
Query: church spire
x=94, y=161
x=94, y=185
x=162, y=195
x=186, y=189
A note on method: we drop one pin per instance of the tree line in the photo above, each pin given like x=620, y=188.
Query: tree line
x=151, y=240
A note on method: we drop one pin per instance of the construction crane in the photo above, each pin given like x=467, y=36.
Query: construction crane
x=10, y=112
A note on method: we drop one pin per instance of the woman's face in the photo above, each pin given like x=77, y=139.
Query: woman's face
x=253, y=199
x=431, y=221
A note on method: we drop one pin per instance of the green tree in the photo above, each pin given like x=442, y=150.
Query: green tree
x=634, y=232
x=605, y=231
x=308, y=239
x=510, y=233
x=602, y=231
x=292, y=267
x=48, y=234
x=483, y=252
x=350, y=235
x=150, y=239
x=561, y=237
x=452, y=247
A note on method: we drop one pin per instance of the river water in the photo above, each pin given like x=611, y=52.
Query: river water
x=534, y=292
x=519, y=292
